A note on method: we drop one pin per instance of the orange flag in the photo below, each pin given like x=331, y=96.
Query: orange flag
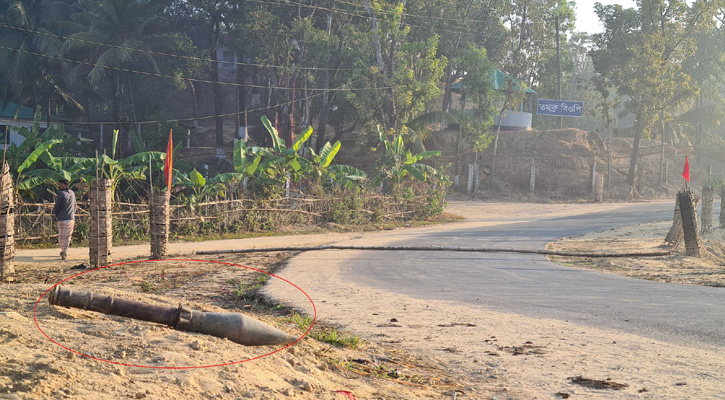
x=686, y=171
x=168, y=167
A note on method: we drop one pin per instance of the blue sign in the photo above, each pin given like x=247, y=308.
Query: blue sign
x=560, y=108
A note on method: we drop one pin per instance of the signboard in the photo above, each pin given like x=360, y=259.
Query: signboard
x=560, y=108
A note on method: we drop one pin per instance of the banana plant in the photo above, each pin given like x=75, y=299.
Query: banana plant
x=397, y=162
x=319, y=167
x=281, y=160
x=202, y=188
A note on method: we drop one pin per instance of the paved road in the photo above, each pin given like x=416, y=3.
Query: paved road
x=531, y=285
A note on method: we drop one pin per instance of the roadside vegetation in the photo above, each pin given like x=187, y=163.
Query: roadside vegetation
x=272, y=189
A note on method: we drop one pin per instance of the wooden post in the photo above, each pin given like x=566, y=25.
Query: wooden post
x=7, y=226
x=599, y=188
x=594, y=176
x=532, y=181
x=690, y=230
x=674, y=236
x=159, y=224
x=722, y=207
x=100, y=232
x=470, y=178
x=609, y=165
x=708, y=198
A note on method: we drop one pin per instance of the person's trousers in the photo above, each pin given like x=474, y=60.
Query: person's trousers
x=65, y=232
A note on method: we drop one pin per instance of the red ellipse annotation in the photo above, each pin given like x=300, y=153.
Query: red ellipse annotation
x=314, y=319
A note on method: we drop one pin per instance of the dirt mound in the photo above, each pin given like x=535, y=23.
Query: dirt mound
x=562, y=161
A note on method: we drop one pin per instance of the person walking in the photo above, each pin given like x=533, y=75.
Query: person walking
x=65, y=212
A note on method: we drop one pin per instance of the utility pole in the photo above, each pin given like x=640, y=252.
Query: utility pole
x=558, y=67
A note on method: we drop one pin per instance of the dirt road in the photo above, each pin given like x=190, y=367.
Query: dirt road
x=513, y=355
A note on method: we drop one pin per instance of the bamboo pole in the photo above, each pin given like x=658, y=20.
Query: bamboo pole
x=434, y=248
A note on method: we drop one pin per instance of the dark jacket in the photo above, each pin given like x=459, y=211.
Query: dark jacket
x=65, y=205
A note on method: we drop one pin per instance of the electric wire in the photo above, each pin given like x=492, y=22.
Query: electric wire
x=363, y=14
x=270, y=107
x=178, y=77
x=191, y=58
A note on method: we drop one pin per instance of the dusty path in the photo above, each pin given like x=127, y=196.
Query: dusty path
x=513, y=355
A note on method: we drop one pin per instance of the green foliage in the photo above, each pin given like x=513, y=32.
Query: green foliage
x=147, y=287
x=334, y=337
x=302, y=322
x=397, y=162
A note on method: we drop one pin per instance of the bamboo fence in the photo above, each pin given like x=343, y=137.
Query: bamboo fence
x=34, y=222
x=7, y=222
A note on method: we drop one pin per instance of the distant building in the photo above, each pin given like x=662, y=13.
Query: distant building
x=12, y=118
x=512, y=120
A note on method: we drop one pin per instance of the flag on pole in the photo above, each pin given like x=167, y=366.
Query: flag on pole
x=686, y=171
x=168, y=167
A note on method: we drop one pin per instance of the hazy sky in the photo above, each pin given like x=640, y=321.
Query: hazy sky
x=586, y=19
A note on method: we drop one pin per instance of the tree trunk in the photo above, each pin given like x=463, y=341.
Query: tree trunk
x=662, y=150
x=495, y=143
x=634, y=160
x=241, y=98
x=216, y=88
x=194, y=102
x=322, y=123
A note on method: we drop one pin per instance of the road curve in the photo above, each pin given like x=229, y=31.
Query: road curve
x=530, y=285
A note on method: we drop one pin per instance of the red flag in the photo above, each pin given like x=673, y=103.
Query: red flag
x=686, y=171
x=168, y=167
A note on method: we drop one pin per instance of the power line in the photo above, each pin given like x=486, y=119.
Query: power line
x=169, y=54
x=181, y=119
x=363, y=14
x=178, y=77
x=441, y=19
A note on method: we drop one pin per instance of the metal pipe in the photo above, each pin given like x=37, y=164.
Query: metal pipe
x=434, y=248
x=238, y=328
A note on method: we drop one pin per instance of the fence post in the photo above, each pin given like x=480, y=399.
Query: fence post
x=470, y=178
x=159, y=224
x=599, y=188
x=675, y=234
x=667, y=171
x=7, y=251
x=708, y=197
x=722, y=207
x=594, y=176
x=532, y=182
x=100, y=232
x=688, y=211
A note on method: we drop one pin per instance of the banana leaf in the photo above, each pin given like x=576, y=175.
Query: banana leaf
x=240, y=156
x=277, y=142
x=302, y=139
x=40, y=176
x=197, y=179
x=328, y=154
x=33, y=157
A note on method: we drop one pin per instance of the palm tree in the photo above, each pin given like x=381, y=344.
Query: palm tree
x=33, y=71
x=121, y=35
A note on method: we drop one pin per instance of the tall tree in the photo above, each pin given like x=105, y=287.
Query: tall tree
x=121, y=35
x=33, y=73
x=640, y=54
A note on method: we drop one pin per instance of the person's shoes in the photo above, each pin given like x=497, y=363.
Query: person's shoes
x=62, y=255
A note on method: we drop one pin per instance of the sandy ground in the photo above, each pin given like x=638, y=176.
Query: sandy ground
x=413, y=349
x=708, y=270
x=506, y=355
x=146, y=360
